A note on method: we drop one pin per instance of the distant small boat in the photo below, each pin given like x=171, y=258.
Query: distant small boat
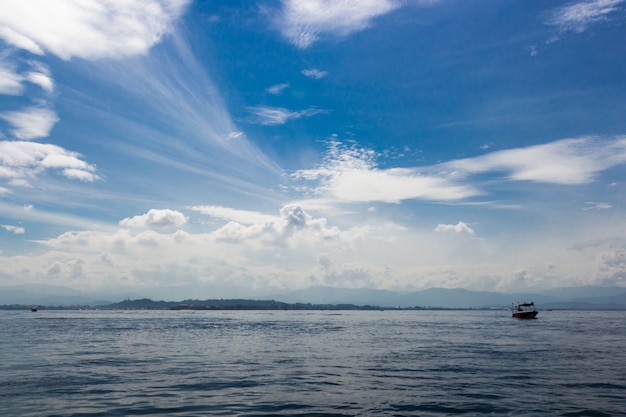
x=33, y=309
x=524, y=310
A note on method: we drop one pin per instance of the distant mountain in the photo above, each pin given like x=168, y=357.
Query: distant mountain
x=434, y=297
x=570, y=297
x=601, y=297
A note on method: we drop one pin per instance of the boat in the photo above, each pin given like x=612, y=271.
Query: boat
x=33, y=309
x=524, y=310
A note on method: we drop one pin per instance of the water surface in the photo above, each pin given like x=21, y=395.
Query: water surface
x=303, y=363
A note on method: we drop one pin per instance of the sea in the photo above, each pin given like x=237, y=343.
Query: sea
x=312, y=363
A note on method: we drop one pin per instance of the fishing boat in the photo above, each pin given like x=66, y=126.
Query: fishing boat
x=33, y=309
x=524, y=310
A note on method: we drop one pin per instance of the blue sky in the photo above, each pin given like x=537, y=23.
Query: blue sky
x=195, y=149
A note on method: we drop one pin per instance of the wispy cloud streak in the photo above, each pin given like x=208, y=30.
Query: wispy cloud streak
x=303, y=22
x=577, y=17
x=567, y=161
x=274, y=116
x=314, y=73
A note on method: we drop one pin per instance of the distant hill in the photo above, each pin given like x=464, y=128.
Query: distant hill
x=587, y=297
x=222, y=304
x=564, y=298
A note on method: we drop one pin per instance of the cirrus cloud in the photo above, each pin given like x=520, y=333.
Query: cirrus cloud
x=577, y=17
x=274, y=116
x=303, y=22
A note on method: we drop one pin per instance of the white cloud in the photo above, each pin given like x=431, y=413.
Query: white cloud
x=278, y=89
x=23, y=160
x=460, y=227
x=351, y=175
x=293, y=226
x=295, y=249
x=10, y=81
x=17, y=230
x=567, y=161
x=303, y=22
x=592, y=205
x=89, y=29
x=78, y=174
x=230, y=214
x=236, y=134
x=17, y=39
x=155, y=218
x=237, y=254
x=274, y=116
x=314, y=73
x=577, y=17
x=31, y=123
x=42, y=79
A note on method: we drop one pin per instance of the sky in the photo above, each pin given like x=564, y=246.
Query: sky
x=180, y=148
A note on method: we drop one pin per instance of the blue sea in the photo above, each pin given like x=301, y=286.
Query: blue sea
x=312, y=363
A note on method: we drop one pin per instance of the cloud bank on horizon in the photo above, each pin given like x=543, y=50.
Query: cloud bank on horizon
x=163, y=144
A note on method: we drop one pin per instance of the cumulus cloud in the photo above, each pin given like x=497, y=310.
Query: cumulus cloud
x=274, y=116
x=460, y=227
x=314, y=73
x=293, y=227
x=577, y=17
x=240, y=254
x=89, y=29
x=17, y=230
x=31, y=123
x=155, y=218
x=303, y=22
x=20, y=161
x=295, y=249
